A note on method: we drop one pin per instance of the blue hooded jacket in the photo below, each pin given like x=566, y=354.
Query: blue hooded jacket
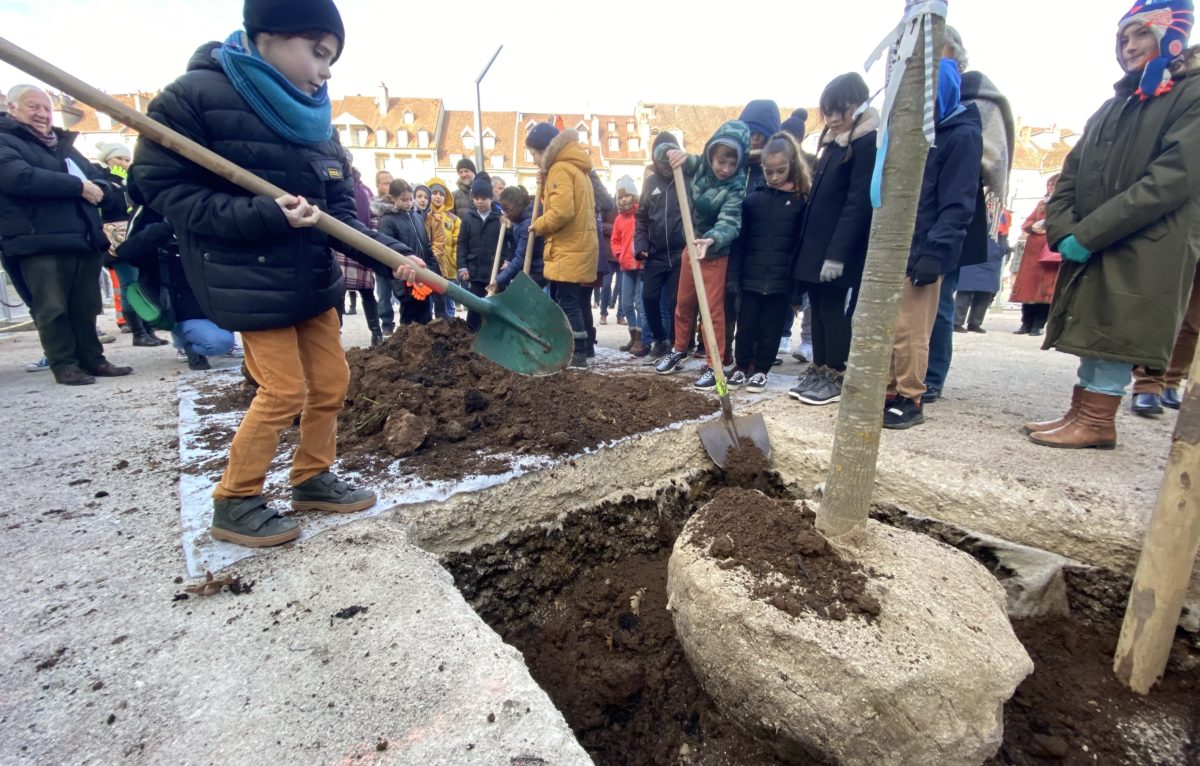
x=952, y=171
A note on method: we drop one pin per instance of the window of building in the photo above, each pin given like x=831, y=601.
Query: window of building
x=635, y=144
x=489, y=140
x=423, y=139
x=497, y=161
x=408, y=117
x=583, y=136
x=381, y=137
x=612, y=126
x=468, y=140
x=614, y=144
x=402, y=138
x=529, y=156
x=629, y=126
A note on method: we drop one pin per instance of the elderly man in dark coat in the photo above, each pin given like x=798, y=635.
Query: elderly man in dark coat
x=1120, y=217
x=50, y=226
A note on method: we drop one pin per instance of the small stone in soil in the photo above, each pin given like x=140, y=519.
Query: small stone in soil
x=348, y=612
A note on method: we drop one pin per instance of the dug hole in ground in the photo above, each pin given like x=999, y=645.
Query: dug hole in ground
x=525, y=621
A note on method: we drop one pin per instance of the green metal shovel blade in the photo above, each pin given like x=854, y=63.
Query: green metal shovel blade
x=523, y=330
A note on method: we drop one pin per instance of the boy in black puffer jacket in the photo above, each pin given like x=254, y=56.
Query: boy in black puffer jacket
x=256, y=264
x=658, y=242
x=477, y=242
x=406, y=225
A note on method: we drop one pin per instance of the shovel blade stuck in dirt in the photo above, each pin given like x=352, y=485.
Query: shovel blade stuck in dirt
x=523, y=330
x=719, y=440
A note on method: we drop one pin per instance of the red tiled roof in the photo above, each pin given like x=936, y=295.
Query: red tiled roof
x=502, y=124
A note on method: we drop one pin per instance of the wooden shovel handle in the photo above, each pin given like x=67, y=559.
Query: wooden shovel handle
x=710, y=335
x=185, y=147
x=499, y=249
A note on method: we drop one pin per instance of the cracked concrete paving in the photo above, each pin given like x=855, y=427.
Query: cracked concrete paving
x=105, y=666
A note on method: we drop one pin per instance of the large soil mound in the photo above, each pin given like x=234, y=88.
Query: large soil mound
x=426, y=396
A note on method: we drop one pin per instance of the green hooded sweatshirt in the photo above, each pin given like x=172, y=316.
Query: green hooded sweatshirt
x=716, y=205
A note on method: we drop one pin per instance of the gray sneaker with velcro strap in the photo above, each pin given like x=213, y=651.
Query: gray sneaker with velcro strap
x=249, y=521
x=326, y=492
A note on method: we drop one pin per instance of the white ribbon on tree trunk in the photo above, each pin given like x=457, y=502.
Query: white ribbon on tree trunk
x=902, y=41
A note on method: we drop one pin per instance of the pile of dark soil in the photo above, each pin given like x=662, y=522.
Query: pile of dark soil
x=1073, y=709
x=426, y=396
x=792, y=565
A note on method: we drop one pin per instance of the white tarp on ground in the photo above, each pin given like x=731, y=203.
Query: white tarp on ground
x=201, y=465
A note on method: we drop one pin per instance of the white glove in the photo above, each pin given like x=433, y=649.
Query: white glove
x=831, y=270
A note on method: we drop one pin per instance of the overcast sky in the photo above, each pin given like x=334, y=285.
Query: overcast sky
x=1054, y=59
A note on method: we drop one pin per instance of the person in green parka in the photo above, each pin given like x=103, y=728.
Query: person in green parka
x=1120, y=217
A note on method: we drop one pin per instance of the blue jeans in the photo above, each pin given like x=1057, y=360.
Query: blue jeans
x=631, y=298
x=383, y=296
x=201, y=336
x=1101, y=376
x=941, y=340
x=606, y=291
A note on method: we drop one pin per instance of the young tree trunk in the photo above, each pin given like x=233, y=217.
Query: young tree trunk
x=851, y=479
x=1168, y=555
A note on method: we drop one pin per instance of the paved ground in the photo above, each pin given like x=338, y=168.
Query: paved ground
x=106, y=667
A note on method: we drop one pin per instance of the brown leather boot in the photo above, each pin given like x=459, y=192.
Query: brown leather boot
x=1095, y=425
x=1050, y=425
x=633, y=339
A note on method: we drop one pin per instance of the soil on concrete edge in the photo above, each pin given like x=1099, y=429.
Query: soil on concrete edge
x=791, y=564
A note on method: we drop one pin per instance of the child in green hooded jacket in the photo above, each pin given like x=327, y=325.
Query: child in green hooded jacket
x=716, y=188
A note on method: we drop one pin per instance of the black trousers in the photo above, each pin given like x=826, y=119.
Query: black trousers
x=1034, y=315
x=733, y=319
x=474, y=320
x=971, y=307
x=760, y=323
x=66, y=301
x=830, y=324
x=575, y=300
x=370, y=309
x=659, y=293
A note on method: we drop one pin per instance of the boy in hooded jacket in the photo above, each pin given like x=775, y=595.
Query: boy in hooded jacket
x=406, y=225
x=716, y=189
x=443, y=227
x=944, y=213
x=258, y=265
x=1124, y=217
x=657, y=241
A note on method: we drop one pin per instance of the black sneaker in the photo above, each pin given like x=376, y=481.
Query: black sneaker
x=1170, y=398
x=197, y=361
x=579, y=360
x=707, y=379
x=931, y=395
x=326, y=492
x=901, y=414
x=671, y=363
x=827, y=389
x=376, y=338
x=807, y=380
x=737, y=379
x=959, y=328
x=976, y=328
x=757, y=383
x=1146, y=405
x=388, y=330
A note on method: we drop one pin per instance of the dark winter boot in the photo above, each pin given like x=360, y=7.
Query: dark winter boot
x=1095, y=425
x=326, y=492
x=72, y=376
x=1050, y=425
x=107, y=369
x=249, y=521
x=634, y=338
x=591, y=342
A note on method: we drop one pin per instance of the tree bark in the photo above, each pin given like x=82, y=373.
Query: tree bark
x=851, y=479
x=1168, y=555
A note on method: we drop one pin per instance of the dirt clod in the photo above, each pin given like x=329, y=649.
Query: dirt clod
x=792, y=565
x=745, y=465
x=52, y=660
x=348, y=612
x=381, y=745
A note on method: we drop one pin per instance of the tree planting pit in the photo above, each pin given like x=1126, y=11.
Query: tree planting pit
x=584, y=599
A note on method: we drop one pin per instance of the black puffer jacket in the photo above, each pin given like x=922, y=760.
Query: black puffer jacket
x=658, y=227
x=477, y=244
x=766, y=249
x=41, y=210
x=837, y=224
x=249, y=269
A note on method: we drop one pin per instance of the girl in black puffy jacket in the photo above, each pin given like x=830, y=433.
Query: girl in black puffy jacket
x=765, y=254
x=258, y=265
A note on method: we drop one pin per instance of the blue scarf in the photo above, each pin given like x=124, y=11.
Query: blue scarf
x=287, y=110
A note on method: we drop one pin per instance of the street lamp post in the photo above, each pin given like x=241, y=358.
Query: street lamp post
x=478, y=109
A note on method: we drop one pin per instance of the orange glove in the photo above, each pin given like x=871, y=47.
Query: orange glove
x=419, y=291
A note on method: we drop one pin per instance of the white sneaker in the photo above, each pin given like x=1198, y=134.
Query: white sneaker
x=757, y=383
x=40, y=365
x=236, y=352
x=180, y=355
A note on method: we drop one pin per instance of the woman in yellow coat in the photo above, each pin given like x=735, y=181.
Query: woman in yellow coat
x=442, y=225
x=567, y=224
